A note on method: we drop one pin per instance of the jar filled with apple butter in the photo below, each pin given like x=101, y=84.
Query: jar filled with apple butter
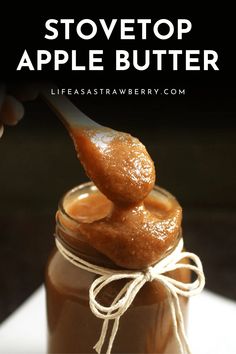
x=147, y=325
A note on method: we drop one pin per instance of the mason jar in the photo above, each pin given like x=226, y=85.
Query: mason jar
x=147, y=325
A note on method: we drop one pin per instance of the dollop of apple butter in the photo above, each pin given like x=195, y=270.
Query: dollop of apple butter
x=134, y=230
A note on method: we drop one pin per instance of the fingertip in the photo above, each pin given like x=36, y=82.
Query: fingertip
x=12, y=111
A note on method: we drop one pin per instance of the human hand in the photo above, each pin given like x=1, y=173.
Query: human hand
x=11, y=107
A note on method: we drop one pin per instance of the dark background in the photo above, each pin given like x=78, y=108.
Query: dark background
x=191, y=138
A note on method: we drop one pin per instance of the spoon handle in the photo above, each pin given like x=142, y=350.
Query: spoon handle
x=67, y=112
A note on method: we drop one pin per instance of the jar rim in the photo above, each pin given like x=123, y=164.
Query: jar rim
x=77, y=244
x=72, y=191
x=61, y=207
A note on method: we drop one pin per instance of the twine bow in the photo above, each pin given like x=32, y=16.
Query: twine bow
x=135, y=281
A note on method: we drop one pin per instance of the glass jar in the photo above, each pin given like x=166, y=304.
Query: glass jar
x=146, y=327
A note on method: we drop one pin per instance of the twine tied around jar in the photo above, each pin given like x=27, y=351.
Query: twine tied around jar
x=136, y=280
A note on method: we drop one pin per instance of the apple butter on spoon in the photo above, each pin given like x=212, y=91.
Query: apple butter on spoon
x=131, y=235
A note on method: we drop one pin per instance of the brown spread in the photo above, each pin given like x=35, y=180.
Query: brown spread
x=123, y=223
